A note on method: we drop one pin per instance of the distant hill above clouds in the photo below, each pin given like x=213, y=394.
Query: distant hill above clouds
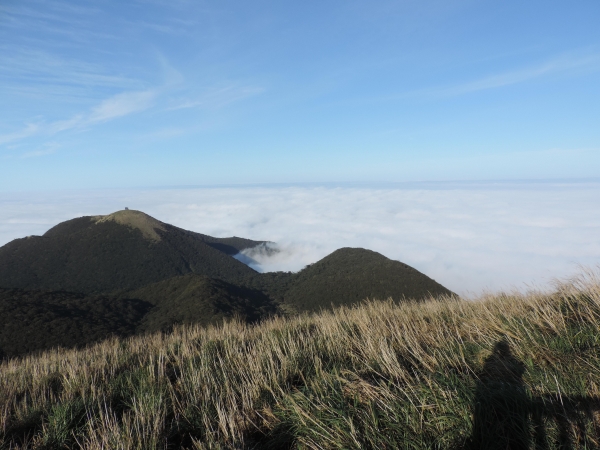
x=121, y=251
x=125, y=273
x=350, y=275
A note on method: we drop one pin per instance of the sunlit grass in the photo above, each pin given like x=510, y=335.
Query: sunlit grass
x=505, y=371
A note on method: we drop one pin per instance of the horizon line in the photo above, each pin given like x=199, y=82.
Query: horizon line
x=345, y=184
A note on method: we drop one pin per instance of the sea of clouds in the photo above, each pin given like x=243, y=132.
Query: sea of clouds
x=470, y=237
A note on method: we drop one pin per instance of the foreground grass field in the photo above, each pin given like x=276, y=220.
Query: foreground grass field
x=510, y=371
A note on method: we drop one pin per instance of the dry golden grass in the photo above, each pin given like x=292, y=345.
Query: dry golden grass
x=386, y=375
x=136, y=220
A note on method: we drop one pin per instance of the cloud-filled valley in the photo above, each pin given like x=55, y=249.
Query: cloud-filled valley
x=469, y=237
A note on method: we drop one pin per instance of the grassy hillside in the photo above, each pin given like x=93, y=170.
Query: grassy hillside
x=509, y=371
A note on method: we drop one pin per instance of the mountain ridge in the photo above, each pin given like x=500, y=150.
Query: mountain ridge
x=129, y=258
x=92, y=255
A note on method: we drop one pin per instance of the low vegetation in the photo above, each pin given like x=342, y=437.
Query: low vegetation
x=32, y=321
x=506, y=371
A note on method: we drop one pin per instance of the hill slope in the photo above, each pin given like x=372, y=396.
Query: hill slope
x=86, y=267
x=510, y=372
x=197, y=299
x=31, y=321
x=350, y=275
x=122, y=251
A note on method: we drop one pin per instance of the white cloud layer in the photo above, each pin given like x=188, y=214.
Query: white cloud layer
x=468, y=237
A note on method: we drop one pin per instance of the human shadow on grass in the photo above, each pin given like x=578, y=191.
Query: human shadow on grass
x=507, y=417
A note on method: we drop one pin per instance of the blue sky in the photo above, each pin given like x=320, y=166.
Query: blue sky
x=162, y=93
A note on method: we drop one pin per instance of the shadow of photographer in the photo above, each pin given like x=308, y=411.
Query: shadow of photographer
x=506, y=416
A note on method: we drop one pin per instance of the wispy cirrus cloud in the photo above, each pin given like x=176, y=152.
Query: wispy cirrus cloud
x=64, y=125
x=47, y=149
x=114, y=107
x=54, y=18
x=218, y=97
x=29, y=130
x=561, y=64
x=134, y=102
x=121, y=105
x=32, y=68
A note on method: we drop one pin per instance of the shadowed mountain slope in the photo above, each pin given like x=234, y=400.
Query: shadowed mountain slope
x=199, y=299
x=34, y=320
x=122, y=251
x=350, y=275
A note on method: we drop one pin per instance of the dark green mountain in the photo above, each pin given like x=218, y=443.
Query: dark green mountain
x=122, y=251
x=92, y=277
x=36, y=320
x=199, y=299
x=33, y=320
x=350, y=275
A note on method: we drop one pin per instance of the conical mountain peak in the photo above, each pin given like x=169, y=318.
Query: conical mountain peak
x=137, y=220
x=124, y=250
